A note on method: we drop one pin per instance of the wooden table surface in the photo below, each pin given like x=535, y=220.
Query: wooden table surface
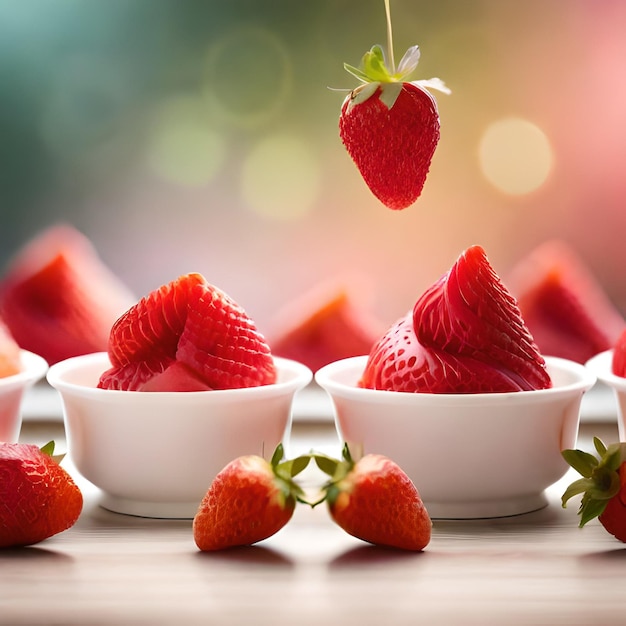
x=538, y=568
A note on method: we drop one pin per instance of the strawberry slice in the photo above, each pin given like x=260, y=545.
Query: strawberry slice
x=58, y=299
x=186, y=336
x=464, y=335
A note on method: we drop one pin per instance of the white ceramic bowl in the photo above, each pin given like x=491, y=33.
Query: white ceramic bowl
x=469, y=455
x=601, y=366
x=12, y=389
x=154, y=454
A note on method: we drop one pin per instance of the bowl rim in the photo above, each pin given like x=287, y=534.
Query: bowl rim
x=55, y=377
x=34, y=368
x=600, y=365
x=325, y=378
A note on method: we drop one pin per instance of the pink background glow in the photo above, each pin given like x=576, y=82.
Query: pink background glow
x=559, y=65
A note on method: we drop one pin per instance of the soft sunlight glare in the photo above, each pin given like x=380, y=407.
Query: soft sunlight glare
x=515, y=156
x=184, y=148
x=280, y=178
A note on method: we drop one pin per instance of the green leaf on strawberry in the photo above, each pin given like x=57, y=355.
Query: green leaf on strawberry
x=583, y=462
x=48, y=449
x=373, y=67
x=601, y=484
x=375, y=73
x=285, y=471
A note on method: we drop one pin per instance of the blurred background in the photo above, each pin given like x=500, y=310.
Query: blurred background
x=201, y=135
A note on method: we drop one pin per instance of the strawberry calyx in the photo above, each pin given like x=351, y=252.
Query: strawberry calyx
x=374, y=66
x=337, y=470
x=49, y=450
x=379, y=75
x=600, y=477
x=376, y=75
x=285, y=472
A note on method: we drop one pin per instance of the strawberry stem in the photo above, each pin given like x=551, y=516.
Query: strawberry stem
x=601, y=480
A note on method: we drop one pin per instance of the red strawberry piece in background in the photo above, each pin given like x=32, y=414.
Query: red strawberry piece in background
x=187, y=336
x=603, y=486
x=618, y=363
x=374, y=500
x=57, y=297
x=464, y=335
x=10, y=362
x=249, y=500
x=323, y=326
x=38, y=498
x=564, y=305
x=390, y=126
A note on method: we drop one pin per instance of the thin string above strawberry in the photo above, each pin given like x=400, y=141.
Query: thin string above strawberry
x=389, y=125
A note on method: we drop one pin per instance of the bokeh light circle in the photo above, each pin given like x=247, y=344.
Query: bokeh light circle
x=183, y=147
x=515, y=156
x=281, y=178
x=249, y=76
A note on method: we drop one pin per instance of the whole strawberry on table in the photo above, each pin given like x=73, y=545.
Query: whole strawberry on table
x=603, y=486
x=374, y=500
x=249, y=500
x=389, y=125
x=38, y=498
x=371, y=498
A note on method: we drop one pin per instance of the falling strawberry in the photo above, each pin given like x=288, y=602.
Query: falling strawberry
x=38, y=498
x=248, y=501
x=374, y=500
x=603, y=486
x=390, y=126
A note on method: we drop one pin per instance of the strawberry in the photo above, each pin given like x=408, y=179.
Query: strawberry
x=565, y=307
x=187, y=335
x=323, y=327
x=10, y=362
x=465, y=334
x=390, y=127
x=374, y=500
x=618, y=363
x=248, y=501
x=603, y=486
x=38, y=498
x=58, y=298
